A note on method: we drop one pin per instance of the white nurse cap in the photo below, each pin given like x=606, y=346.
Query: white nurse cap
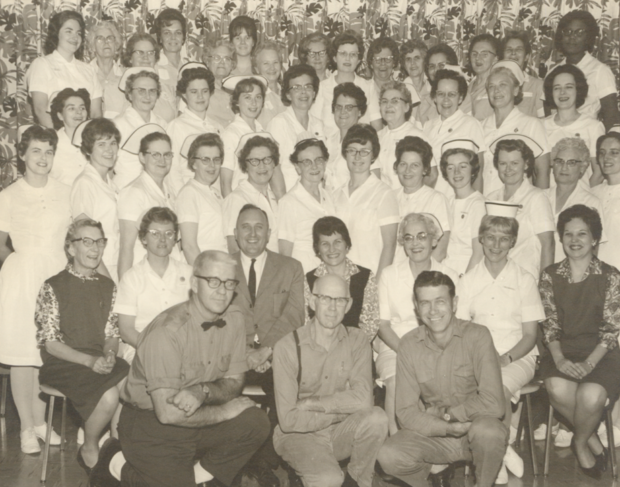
x=502, y=208
x=244, y=140
x=132, y=144
x=231, y=82
x=460, y=144
x=513, y=67
x=128, y=72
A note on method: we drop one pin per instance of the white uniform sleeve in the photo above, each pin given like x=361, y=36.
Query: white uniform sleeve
x=387, y=212
x=541, y=214
x=128, y=291
x=531, y=305
x=38, y=76
x=287, y=218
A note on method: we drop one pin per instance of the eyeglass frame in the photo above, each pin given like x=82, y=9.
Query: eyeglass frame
x=104, y=241
x=336, y=301
x=158, y=155
x=255, y=161
x=209, y=279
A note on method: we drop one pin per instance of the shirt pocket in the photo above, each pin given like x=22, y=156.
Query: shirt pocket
x=224, y=363
x=279, y=302
x=463, y=380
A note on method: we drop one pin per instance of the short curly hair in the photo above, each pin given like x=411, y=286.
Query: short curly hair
x=485, y=37
x=575, y=144
x=519, y=35
x=306, y=144
x=352, y=91
x=31, y=134
x=53, y=30
x=347, y=37
x=378, y=45
x=412, y=143
x=58, y=104
x=362, y=133
x=131, y=44
x=408, y=47
x=512, y=145
x=165, y=19
x=253, y=143
x=404, y=92
x=592, y=30
x=245, y=86
x=472, y=157
x=204, y=140
x=157, y=214
x=449, y=74
x=327, y=226
x=97, y=129
x=304, y=46
x=92, y=35
x=441, y=48
x=73, y=230
x=590, y=216
x=295, y=72
x=581, y=84
x=131, y=79
x=193, y=74
x=266, y=46
x=431, y=224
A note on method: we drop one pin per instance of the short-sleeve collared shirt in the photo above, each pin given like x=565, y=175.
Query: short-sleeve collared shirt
x=370, y=207
x=231, y=136
x=69, y=162
x=114, y=101
x=480, y=106
x=203, y=205
x=609, y=196
x=534, y=217
x=387, y=155
x=271, y=107
x=426, y=110
x=502, y=304
x=298, y=212
x=219, y=107
x=93, y=196
x=174, y=352
x=424, y=200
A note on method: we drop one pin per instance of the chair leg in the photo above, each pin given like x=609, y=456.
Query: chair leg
x=548, y=442
x=609, y=424
x=63, y=423
x=467, y=470
x=5, y=384
x=519, y=429
x=530, y=433
x=46, y=447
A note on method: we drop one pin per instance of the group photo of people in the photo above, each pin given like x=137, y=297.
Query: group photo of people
x=396, y=245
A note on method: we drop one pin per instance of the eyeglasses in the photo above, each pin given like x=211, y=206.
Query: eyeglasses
x=145, y=53
x=267, y=161
x=355, y=153
x=420, y=237
x=384, y=60
x=328, y=300
x=217, y=58
x=573, y=33
x=482, y=54
x=492, y=239
x=89, y=242
x=167, y=235
x=144, y=92
x=319, y=161
x=346, y=108
x=299, y=88
x=208, y=161
x=348, y=55
x=104, y=40
x=392, y=102
x=569, y=163
x=158, y=155
x=317, y=54
x=216, y=282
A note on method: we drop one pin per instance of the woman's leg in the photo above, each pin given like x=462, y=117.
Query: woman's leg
x=590, y=402
x=25, y=390
x=390, y=404
x=562, y=396
x=38, y=404
x=117, y=413
x=95, y=424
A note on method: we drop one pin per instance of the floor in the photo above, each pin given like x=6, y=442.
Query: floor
x=19, y=470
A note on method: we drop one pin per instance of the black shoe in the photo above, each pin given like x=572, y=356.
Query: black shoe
x=593, y=472
x=442, y=479
x=82, y=463
x=100, y=475
x=602, y=459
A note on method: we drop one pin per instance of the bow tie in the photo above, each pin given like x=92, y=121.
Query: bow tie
x=210, y=324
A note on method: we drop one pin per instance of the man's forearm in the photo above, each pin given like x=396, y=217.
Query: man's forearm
x=223, y=390
x=205, y=415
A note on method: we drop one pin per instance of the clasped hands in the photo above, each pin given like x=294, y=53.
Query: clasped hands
x=577, y=370
x=258, y=360
x=104, y=365
x=188, y=399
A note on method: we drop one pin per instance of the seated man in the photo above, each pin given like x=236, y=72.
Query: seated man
x=449, y=396
x=323, y=387
x=182, y=397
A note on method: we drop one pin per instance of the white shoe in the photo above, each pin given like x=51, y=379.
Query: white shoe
x=41, y=432
x=80, y=436
x=513, y=462
x=513, y=435
x=502, y=476
x=602, y=434
x=29, y=442
x=563, y=438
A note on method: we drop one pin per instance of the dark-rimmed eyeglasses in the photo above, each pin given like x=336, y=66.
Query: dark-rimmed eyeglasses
x=89, y=242
x=266, y=161
x=216, y=282
x=326, y=300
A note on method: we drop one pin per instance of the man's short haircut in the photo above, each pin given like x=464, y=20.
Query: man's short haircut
x=157, y=214
x=165, y=19
x=295, y=72
x=512, y=145
x=413, y=143
x=215, y=256
x=590, y=216
x=504, y=224
x=362, y=133
x=327, y=226
x=352, y=91
x=193, y=74
x=474, y=163
x=243, y=23
x=73, y=230
x=97, y=129
x=433, y=279
x=250, y=207
x=58, y=104
x=253, y=143
x=581, y=84
x=516, y=34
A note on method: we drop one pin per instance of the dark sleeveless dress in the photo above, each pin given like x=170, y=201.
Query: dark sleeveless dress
x=83, y=307
x=580, y=308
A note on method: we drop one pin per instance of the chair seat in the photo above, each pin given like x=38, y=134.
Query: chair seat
x=253, y=391
x=531, y=388
x=50, y=391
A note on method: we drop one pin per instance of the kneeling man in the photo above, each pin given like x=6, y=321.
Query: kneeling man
x=323, y=388
x=449, y=396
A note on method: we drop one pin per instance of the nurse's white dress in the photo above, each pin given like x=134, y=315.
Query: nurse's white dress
x=69, y=162
x=231, y=136
x=37, y=220
x=609, y=195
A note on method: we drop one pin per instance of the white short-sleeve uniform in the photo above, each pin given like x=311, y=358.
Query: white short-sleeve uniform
x=36, y=219
x=246, y=193
x=144, y=294
x=186, y=124
x=138, y=198
x=299, y=210
x=396, y=306
x=114, y=101
x=426, y=110
x=534, y=217
x=231, y=136
x=273, y=106
x=287, y=131
x=53, y=73
x=128, y=167
x=478, y=103
x=516, y=123
x=203, y=205
x=322, y=106
x=69, y=162
x=503, y=304
x=609, y=197
x=387, y=155
x=91, y=195
x=336, y=171
x=580, y=196
x=533, y=96
x=601, y=83
x=219, y=107
x=465, y=217
x=459, y=125
x=364, y=212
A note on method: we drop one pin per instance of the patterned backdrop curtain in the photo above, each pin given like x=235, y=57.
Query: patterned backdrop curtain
x=23, y=25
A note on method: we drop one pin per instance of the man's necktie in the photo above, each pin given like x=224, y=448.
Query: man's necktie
x=252, y=282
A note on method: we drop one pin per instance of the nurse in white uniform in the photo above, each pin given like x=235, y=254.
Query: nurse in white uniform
x=199, y=204
x=267, y=61
x=258, y=158
x=460, y=167
x=93, y=194
x=305, y=203
x=299, y=88
x=366, y=204
x=504, y=89
x=514, y=161
x=68, y=110
x=149, y=189
x=62, y=67
x=195, y=87
x=142, y=89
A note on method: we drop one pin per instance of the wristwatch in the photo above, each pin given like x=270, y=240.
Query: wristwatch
x=447, y=417
x=205, y=389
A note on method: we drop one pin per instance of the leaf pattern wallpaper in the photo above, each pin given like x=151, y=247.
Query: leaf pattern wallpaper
x=23, y=24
